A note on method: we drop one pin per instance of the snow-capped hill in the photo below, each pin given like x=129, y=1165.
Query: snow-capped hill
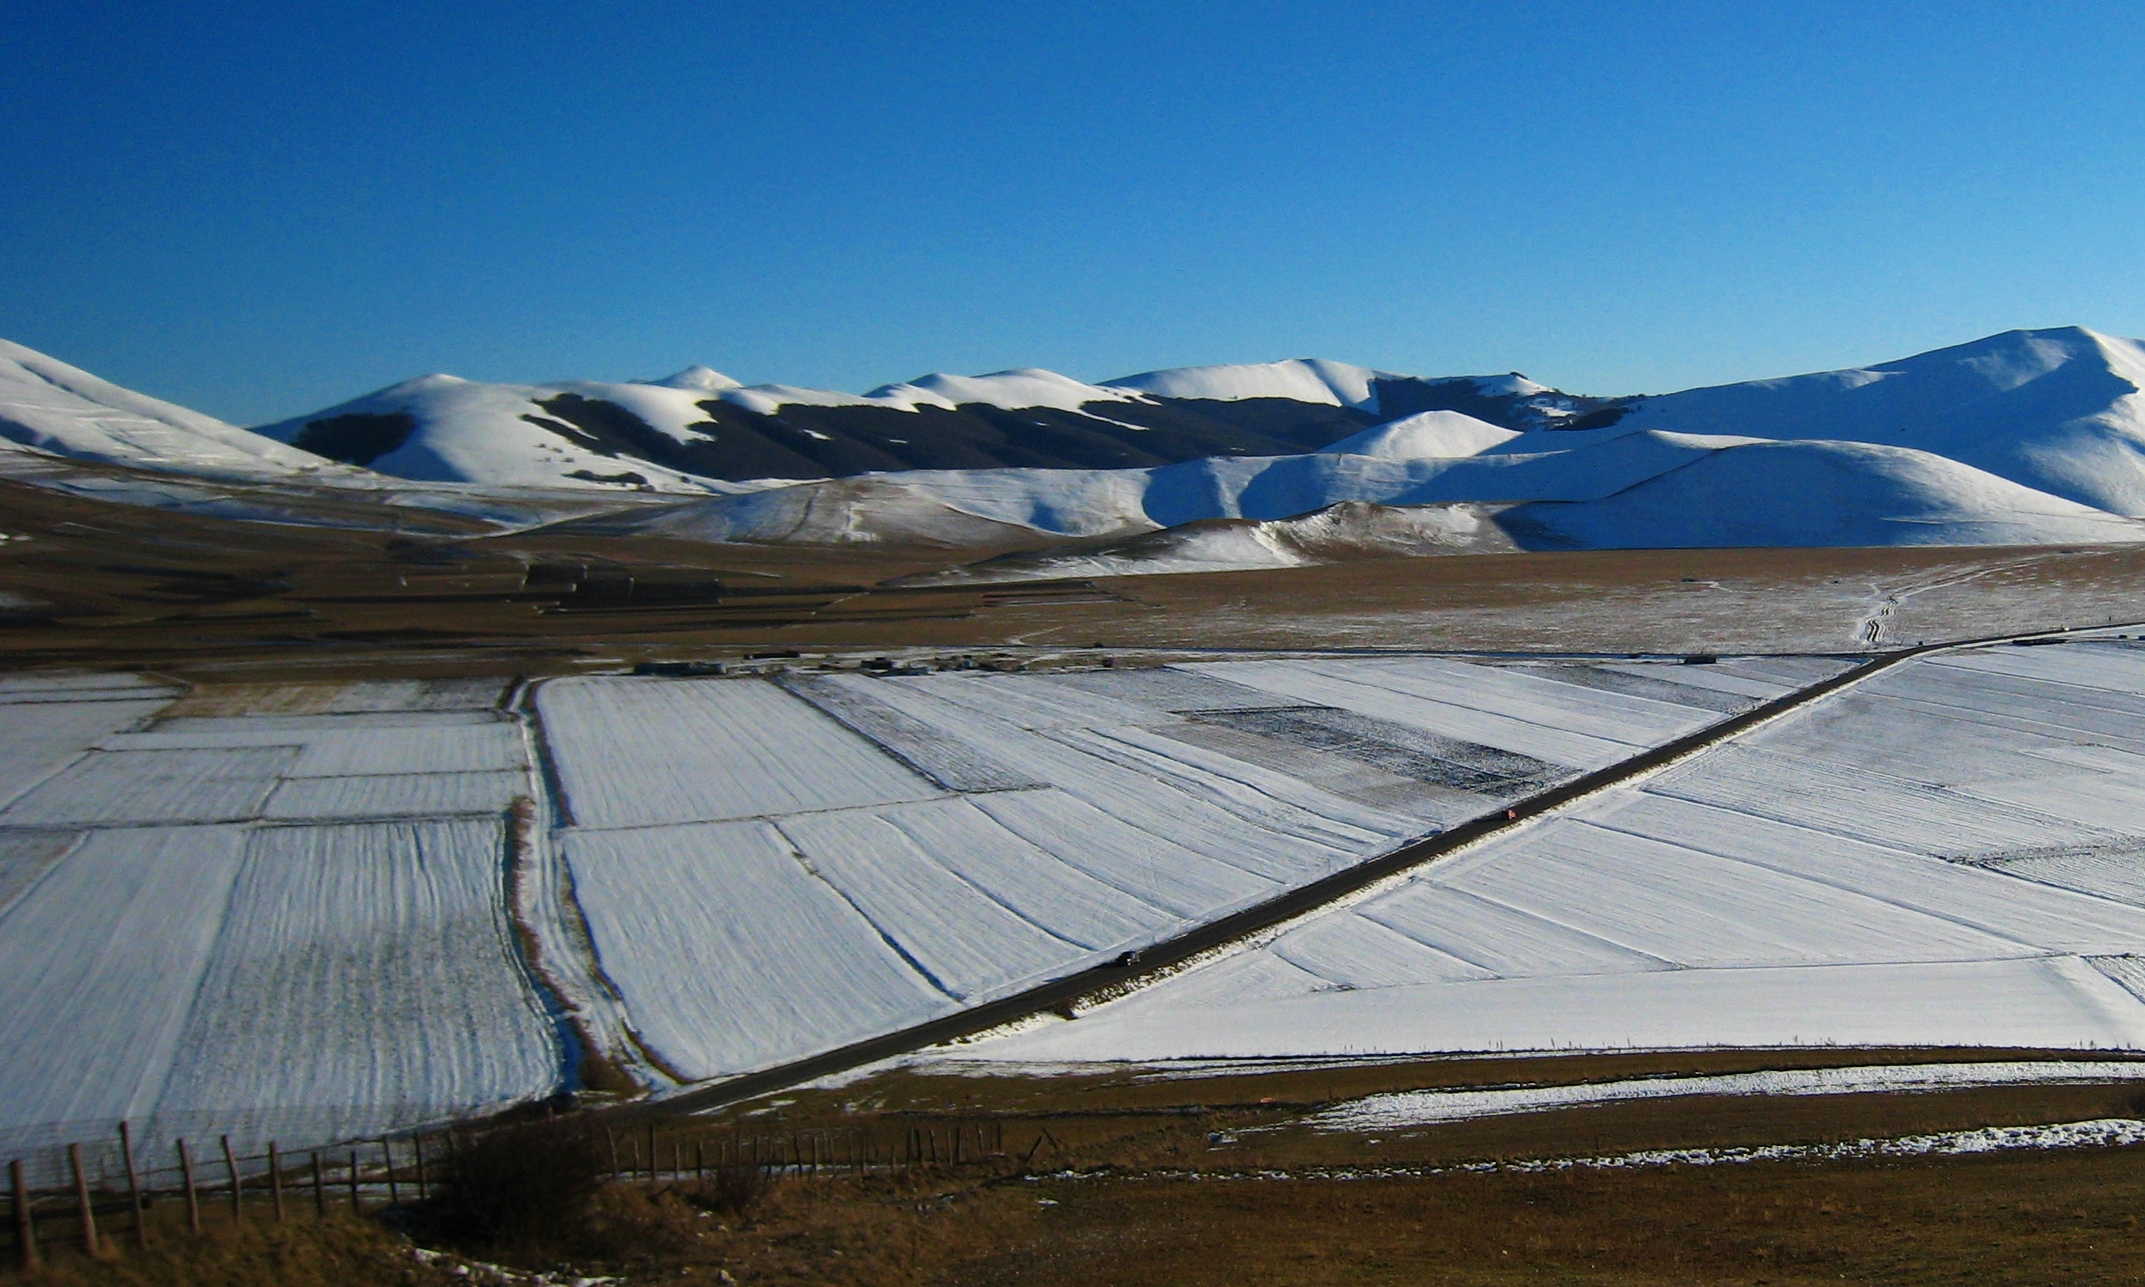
x=1432, y=433
x=1819, y=493
x=1312, y=380
x=2056, y=410
x=2025, y=437
x=1004, y=390
x=53, y=407
x=1642, y=489
x=1511, y=401
x=439, y=428
x=1514, y=385
x=1346, y=532
x=701, y=378
x=944, y=508
x=699, y=430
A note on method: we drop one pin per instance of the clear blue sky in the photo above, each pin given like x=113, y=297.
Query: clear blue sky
x=259, y=209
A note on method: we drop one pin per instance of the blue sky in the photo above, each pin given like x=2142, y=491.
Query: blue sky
x=258, y=209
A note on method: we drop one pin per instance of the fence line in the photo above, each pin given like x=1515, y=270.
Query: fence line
x=102, y=1187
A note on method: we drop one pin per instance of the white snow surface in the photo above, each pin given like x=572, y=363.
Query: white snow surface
x=473, y=432
x=178, y=955
x=365, y=965
x=640, y=753
x=1151, y=821
x=2024, y=438
x=52, y=407
x=2056, y=410
x=1436, y=434
x=1347, y=531
x=1814, y=493
x=1425, y=1107
x=2029, y=437
x=731, y=953
x=1577, y=490
x=1313, y=380
x=1947, y=854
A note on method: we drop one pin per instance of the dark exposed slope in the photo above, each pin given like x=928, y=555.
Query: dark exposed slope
x=804, y=441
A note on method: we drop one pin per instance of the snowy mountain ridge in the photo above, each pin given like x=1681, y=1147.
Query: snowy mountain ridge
x=700, y=431
x=2020, y=438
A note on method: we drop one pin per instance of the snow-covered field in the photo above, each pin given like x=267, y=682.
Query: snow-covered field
x=283, y=911
x=768, y=870
x=1951, y=852
x=195, y=933
x=299, y=921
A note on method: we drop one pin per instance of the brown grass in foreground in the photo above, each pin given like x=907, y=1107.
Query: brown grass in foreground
x=342, y=1251
x=2048, y=1218
x=1122, y=1180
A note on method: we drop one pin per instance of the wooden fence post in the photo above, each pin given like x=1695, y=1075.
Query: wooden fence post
x=238, y=1188
x=651, y=1153
x=81, y=1200
x=394, y=1195
x=700, y=1162
x=320, y=1189
x=357, y=1204
x=612, y=1137
x=193, y=1198
x=275, y=1178
x=25, y=1218
x=134, y=1184
x=424, y=1191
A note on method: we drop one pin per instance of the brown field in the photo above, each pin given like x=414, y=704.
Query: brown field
x=120, y=585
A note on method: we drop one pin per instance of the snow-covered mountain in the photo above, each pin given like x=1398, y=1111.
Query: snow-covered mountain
x=51, y=407
x=2056, y=410
x=699, y=431
x=1643, y=489
x=2022, y=438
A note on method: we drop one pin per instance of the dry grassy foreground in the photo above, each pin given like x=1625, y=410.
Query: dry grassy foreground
x=1120, y=1180
x=2049, y=1218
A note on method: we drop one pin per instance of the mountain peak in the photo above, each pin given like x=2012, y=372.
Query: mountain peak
x=704, y=379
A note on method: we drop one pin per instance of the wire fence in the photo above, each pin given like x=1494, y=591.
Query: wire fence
x=87, y=1193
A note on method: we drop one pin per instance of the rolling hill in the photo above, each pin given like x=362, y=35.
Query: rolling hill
x=2028, y=437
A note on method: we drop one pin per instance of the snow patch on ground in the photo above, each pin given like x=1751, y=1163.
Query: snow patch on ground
x=1427, y=1107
